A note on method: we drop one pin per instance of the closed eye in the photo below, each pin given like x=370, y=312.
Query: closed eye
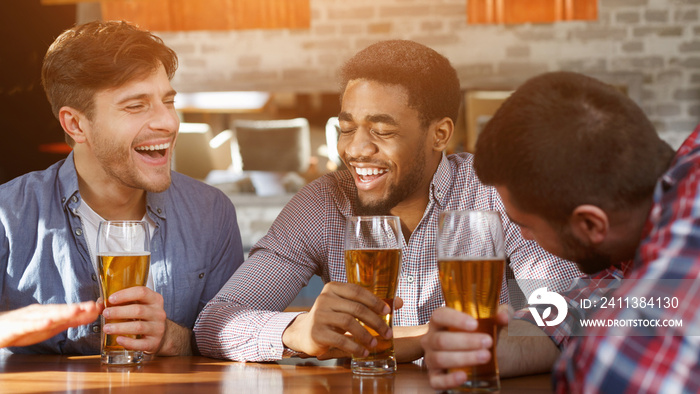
x=135, y=107
x=382, y=133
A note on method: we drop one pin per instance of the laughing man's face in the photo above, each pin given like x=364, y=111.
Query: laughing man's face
x=384, y=144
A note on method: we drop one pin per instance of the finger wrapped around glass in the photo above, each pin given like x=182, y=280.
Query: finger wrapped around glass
x=471, y=261
x=373, y=261
x=123, y=252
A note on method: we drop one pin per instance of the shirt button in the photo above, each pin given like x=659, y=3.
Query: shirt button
x=94, y=277
x=439, y=194
x=201, y=275
x=78, y=231
x=159, y=210
x=95, y=328
x=409, y=278
x=63, y=200
x=74, y=199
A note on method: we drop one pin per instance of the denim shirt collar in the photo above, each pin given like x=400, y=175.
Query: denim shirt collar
x=70, y=193
x=68, y=182
x=155, y=206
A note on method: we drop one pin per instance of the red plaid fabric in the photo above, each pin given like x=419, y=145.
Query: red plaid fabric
x=244, y=321
x=635, y=359
x=590, y=287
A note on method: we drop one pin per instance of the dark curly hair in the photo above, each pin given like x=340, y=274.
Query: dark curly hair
x=432, y=83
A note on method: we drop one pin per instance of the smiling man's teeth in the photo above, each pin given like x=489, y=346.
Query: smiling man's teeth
x=370, y=171
x=154, y=147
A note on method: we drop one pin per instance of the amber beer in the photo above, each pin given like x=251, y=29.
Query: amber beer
x=376, y=270
x=473, y=286
x=118, y=273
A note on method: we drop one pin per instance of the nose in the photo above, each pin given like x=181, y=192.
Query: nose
x=165, y=118
x=357, y=145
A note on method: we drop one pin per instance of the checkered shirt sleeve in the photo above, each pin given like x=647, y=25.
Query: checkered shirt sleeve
x=636, y=359
x=590, y=287
x=245, y=321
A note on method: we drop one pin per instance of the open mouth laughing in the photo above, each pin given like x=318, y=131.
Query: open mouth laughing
x=368, y=174
x=154, y=151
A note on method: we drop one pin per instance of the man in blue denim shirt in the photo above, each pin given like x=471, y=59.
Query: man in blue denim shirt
x=109, y=86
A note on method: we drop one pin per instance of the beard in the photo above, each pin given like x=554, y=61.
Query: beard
x=117, y=162
x=404, y=188
x=588, y=259
x=379, y=208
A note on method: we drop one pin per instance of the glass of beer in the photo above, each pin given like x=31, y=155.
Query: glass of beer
x=471, y=262
x=373, y=261
x=123, y=252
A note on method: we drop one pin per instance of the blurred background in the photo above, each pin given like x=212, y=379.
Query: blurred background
x=258, y=86
x=293, y=49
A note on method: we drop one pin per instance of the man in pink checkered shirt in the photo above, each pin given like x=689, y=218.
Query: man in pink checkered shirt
x=400, y=103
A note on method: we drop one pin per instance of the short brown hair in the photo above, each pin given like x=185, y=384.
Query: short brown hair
x=96, y=56
x=563, y=139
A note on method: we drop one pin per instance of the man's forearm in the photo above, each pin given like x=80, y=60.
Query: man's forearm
x=176, y=340
x=524, y=349
x=407, y=342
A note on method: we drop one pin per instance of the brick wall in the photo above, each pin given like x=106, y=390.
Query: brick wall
x=648, y=45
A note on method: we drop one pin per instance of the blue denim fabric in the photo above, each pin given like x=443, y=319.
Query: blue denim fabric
x=44, y=258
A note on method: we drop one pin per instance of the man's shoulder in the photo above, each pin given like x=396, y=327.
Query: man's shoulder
x=182, y=183
x=36, y=183
x=32, y=198
x=461, y=168
x=337, y=182
x=194, y=193
x=333, y=189
x=461, y=160
x=33, y=177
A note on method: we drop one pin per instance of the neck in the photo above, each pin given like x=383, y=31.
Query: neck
x=411, y=210
x=411, y=213
x=105, y=195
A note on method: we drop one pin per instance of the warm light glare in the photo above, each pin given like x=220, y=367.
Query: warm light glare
x=187, y=15
x=220, y=139
x=530, y=11
x=222, y=100
x=199, y=128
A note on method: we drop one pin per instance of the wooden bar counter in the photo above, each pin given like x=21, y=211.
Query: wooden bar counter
x=85, y=374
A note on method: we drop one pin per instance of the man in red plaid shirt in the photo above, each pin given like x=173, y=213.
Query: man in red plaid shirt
x=581, y=169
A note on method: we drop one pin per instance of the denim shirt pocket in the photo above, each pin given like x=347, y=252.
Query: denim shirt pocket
x=188, y=293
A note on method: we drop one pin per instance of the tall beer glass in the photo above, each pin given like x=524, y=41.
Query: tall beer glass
x=123, y=252
x=471, y=261
x=373, y=260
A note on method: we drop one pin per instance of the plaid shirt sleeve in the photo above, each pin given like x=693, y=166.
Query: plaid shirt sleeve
x=635, y=359
x=590, y=287
x=244, y=321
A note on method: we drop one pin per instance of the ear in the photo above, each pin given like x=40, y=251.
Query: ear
x=73, y=123
x=442, y=134
x=590, y=223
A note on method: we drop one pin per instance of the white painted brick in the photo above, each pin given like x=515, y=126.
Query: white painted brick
x=659, y=45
